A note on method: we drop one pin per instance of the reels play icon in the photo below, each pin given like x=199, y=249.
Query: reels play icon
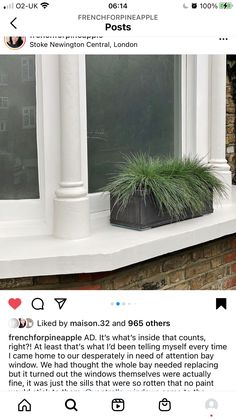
x=118, y=405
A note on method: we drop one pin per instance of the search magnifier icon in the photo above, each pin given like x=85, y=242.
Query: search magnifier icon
x=71, y=404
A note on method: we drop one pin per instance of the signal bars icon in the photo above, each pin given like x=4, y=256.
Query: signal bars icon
x=9, y=6
x=44, y=5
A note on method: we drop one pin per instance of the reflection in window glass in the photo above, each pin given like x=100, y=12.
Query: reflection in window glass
x=133, y=105
x=18, y=144
x=28, y=117
x=3, y=126
x=3, y=102
x=27, y=68
x=3, y=79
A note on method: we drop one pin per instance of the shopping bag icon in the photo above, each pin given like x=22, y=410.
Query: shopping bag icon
x=164, y=405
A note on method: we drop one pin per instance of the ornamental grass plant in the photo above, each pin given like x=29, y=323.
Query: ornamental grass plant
x=179, y=187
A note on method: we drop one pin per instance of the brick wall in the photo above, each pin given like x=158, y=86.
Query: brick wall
x=208, y=266
x=231, y=114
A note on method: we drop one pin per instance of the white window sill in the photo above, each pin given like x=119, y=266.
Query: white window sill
x=108, y=247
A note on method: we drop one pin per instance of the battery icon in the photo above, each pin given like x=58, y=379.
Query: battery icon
x=226, y=5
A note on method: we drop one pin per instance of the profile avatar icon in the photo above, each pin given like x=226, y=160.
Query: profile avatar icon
x=15, y=42
x=21, y=323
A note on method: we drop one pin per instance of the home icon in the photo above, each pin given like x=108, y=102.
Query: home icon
x=24, y=406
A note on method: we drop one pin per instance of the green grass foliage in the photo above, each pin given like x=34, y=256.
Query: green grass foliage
x=179, y=186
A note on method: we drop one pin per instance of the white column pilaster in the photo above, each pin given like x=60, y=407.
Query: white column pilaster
x=71, y=206
x=195, y=119
x=218, y=120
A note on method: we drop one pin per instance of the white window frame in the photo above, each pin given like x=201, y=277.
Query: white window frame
x=101, y=201
x=61, y=130
x=195, y=106
x=28, y=217
x=195, y=116
x=24, y=217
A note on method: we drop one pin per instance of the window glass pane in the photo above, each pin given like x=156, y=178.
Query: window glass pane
x=18, y=144
x=133, y=105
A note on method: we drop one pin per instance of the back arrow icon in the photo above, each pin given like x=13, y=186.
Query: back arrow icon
x=12, y=24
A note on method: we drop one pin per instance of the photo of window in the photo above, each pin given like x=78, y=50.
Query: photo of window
x=68, y=124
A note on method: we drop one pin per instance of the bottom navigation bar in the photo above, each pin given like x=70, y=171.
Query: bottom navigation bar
x=178, y=405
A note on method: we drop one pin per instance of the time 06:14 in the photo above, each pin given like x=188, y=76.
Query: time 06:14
x=117, y=6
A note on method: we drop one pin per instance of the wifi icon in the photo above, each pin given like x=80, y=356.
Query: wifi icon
x=44, y=4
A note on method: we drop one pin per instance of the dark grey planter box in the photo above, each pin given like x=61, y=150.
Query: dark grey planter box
x=141, y=215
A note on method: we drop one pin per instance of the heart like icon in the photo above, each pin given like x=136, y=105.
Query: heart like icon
x=14, y=302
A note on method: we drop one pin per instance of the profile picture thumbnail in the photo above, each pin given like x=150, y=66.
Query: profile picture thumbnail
x=15, y=42
x=21, y=323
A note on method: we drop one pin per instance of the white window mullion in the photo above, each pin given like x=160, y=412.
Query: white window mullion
x=71, y=204
x=195, y=119
x=178, y=65
x=217, y=117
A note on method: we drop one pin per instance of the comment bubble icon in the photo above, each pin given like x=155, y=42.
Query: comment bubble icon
x=37, y=304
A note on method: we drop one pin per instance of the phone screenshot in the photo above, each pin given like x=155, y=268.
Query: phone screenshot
x=118, y=209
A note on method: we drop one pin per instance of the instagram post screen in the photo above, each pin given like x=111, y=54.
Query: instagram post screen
x=117, y=209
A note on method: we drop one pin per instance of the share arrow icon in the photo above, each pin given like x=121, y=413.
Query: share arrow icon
x=60, y=302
